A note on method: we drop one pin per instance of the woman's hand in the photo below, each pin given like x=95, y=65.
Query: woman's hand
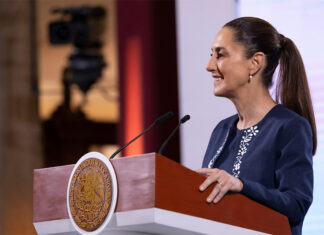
x=225, y=183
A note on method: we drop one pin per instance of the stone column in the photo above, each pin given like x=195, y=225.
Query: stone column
x=20, y=132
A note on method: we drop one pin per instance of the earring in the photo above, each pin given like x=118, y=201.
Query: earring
x=250, y=77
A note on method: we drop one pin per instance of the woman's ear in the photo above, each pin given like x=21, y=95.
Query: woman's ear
x=257, y=63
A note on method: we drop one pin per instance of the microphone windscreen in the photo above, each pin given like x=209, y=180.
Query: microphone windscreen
x=185, y=118
x=163, y=118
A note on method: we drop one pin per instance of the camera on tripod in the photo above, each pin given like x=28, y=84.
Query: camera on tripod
x=83, y=27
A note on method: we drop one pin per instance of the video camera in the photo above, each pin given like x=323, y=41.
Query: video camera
x=83, y=27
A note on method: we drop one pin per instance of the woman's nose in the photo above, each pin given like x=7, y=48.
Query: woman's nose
x=211, y=65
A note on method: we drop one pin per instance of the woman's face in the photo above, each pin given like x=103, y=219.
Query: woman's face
x=228, y=65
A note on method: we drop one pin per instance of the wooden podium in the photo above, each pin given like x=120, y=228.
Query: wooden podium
x=155, y=195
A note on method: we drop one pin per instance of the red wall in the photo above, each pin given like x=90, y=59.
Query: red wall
x=147, y=74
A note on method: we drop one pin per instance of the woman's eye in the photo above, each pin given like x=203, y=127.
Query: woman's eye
x=219, y=55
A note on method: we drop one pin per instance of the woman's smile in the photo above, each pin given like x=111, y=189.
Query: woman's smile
x=217, y=80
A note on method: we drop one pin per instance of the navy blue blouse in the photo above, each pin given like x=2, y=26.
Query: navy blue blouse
x=272, y=158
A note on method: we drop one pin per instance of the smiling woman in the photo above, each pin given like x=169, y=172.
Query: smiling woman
x=265, y=151
x=228, y=55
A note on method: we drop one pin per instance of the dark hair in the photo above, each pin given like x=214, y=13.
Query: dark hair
x=292, y=90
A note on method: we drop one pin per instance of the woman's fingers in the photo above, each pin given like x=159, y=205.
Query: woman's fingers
x=224, y=183
x=222, y=192
x=206, y=183
x=213, y=193
x=206, y=171
x=214, y=176
x=219, y=191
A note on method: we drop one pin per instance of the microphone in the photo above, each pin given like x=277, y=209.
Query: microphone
x=182, y=120
x=157, y=121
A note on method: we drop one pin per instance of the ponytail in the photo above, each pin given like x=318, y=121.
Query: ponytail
x=292, y=88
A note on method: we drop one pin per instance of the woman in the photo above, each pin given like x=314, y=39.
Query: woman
x=265, y=151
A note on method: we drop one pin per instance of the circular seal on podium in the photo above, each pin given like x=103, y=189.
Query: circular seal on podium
x=91, y=193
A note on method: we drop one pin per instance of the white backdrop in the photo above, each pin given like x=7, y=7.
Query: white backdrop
x=197, y=25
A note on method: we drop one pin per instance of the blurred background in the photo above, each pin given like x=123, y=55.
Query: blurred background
x=89, y=75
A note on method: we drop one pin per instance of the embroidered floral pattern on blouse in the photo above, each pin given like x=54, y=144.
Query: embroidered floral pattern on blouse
x=219, y=150
x=245, y=141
